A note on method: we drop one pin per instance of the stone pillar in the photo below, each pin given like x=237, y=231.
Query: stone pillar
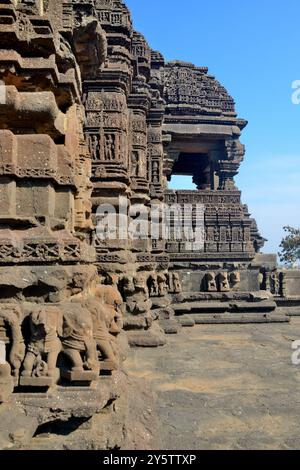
x=117, y=133
x=229, y=165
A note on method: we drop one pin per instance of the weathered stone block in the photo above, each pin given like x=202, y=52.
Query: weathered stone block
x=35, y=201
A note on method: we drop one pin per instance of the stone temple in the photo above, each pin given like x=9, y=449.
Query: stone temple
x=89, y=114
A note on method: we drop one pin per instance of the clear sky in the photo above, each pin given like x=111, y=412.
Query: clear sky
x=253, y=48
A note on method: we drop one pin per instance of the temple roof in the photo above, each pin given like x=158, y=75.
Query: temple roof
x=191, y=91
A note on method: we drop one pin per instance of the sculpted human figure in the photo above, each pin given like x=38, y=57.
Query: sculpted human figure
x=153, y=285
x=45, y=345
x=162, y=285
x=241, y=234
x=275, y=283
x=169, y=281
x=109, y=148
x=135, y=163
x=94, y=147
x=77, y=340
x=135, y=291
x=177, y=288
x=155, y=172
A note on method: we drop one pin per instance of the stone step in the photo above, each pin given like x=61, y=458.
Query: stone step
x=211, y=296
x=171, y=326
x=186, y=321
x=230, y=318
x=223, y=307
x=262, y=306
x=189, y=307
x=290, y=311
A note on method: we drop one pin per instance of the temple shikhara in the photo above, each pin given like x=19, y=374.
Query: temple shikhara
x=89, y=114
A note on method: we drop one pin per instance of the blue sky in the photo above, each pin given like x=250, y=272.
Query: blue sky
x=253, y=48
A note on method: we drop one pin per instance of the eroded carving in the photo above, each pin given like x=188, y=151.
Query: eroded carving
x=78, y=344
x=11, y=336
x=39, y=367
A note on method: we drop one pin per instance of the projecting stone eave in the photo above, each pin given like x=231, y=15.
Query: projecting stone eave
x=203, y=127
x=205, y=130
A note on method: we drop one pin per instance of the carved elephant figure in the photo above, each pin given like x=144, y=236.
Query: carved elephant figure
x=224, y=285
x=110, y=297
x=44, y=346
x=78, y=343
x=210, y=281
x=6, y=380
x=105, y=341
x=235, y=278
x=110, y=314
x=11, y=335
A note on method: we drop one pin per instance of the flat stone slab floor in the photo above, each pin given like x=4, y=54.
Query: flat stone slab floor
x=225, y=387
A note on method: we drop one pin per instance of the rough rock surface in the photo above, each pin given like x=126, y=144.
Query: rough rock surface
x=225, y=387
x=119, y=414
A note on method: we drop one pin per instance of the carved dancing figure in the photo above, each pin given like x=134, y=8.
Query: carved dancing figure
x=275, y=283
x=216, y=234
x=95, y=148
x=109, y=148
x=135, y=164
x=240, y=234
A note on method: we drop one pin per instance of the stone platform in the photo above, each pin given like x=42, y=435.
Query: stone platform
x=226, y=387
x=238, y=307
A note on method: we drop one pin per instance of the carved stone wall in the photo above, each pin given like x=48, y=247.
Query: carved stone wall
x=58, y=323
x=90, y=114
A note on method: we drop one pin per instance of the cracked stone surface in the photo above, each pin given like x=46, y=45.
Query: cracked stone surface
x=226, y=387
